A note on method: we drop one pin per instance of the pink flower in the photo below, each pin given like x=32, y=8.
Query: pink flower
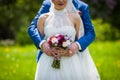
x=59, y=40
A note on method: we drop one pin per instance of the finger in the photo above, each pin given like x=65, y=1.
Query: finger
x=48, y=51
x=54, y=54
x=69, y=53
x=58, y=57
x=74, y=49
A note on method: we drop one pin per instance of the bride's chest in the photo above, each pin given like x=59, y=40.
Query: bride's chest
x=66, y=30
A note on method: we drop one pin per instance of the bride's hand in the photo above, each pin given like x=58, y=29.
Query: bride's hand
x=63, y=52
x=59, y=52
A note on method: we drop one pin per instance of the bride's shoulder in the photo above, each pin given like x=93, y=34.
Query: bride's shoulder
x=44, y=16
x=75, y=17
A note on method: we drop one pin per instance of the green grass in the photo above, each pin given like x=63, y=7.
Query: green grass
x=107, y=59
x=19, y=63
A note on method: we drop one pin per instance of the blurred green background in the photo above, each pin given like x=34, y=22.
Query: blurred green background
x=18, y=53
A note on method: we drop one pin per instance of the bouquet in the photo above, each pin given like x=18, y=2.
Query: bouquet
x=60, y=42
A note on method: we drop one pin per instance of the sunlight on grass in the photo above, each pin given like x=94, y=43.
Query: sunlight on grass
x=19, y=62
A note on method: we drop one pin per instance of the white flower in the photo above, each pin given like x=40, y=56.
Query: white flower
x=54, y=40
x=66, y=43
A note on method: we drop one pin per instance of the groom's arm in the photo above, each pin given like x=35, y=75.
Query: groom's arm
x=32, y=30
x=89, y=35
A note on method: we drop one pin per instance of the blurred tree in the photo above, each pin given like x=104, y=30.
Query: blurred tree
x=108, y=10
x=115, y=16
x=15, y=15
x=6, y=16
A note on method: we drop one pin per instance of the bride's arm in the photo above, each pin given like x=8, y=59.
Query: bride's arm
x=77, y=25
x=45, y=47
x=40, y=23
x=74, y=47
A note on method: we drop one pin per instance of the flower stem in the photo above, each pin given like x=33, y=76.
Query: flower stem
x=56, y=64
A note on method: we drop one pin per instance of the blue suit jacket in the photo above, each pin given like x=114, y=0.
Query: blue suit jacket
x=83, y=41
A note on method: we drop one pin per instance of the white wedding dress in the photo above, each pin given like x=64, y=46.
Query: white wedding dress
x=78, y=67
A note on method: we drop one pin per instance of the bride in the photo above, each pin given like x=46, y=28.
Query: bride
x=63, y=18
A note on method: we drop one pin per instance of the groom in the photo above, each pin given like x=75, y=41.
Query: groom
x=81, y=43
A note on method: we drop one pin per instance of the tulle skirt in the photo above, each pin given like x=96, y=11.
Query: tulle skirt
x=78, y=67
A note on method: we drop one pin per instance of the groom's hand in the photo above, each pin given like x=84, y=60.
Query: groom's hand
x=46, y=48
x=73, y=49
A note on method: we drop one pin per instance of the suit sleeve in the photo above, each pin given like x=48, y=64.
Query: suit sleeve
x=32, y=29
x=89, y=35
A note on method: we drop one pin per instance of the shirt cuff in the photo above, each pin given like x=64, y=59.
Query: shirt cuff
x=79, y=46
x=40, y=45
